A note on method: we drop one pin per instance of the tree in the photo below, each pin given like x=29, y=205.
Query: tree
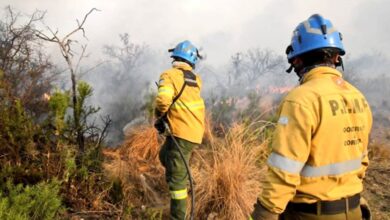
x=259, y=62
x=64, y=45
x=127, y=76
x=129, y=55
x=246, y=83
x=28, y=73
x=250, y=69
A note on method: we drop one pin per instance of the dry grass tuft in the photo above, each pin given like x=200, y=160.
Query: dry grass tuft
x=227, y=170
x=137, y=166
x=227, y=176
x=141, y=144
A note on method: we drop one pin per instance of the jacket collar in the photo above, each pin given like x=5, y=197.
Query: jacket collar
x=320, y=72
x=181, y=65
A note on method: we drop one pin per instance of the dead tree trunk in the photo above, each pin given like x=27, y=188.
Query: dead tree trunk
x=65, y=48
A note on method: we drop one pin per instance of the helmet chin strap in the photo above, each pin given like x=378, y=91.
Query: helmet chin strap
x=198, y=54
x=299, y=71
x=290, y=69
x=340, y=63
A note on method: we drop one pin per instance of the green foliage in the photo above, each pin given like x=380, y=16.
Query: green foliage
x=93, y=158
x=39, y=141
x=40, y=201
x=16, y=130
x=84, y=91
x=70, y=164
x=116, y=191
x=58, y=104
x=152, y=214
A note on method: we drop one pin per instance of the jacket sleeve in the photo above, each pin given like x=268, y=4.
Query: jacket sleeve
x=290, y=150
x=365, y=160
x=165, y=94
x=365, y=163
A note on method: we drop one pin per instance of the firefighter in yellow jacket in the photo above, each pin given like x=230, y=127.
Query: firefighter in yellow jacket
x=179, y=102
x=319, y=151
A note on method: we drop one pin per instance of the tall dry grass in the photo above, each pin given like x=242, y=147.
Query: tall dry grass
x=135, y=163
x=227, y=169
x=228, y=172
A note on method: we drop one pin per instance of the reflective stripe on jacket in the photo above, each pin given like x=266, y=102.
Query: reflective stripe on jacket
x=319, y=149
x=186, y=116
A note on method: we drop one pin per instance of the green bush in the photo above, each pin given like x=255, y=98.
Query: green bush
x=40, y=201
x=58, y=104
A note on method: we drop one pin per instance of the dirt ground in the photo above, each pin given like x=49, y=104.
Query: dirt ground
x=377, y=182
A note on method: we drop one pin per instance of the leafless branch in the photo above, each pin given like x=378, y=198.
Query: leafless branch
x=80, y=25
x=82, y=55
x=107, y=122
x=82, y=74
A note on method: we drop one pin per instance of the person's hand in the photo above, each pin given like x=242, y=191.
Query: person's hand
x=157, y=113
x=159, y=125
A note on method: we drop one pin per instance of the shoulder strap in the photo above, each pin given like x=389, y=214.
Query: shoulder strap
x=190, y=80
x=179, y=94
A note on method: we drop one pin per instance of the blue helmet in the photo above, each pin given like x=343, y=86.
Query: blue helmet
x=314, y=33
x=187, y=51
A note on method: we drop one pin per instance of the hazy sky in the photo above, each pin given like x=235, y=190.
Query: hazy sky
x=220, y=27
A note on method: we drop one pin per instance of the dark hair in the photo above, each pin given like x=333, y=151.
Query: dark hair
x=320, y=56
x=183, y=60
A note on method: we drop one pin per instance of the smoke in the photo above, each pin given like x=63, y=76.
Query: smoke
x=368, y=72
x=237, y=72
x=123, y=83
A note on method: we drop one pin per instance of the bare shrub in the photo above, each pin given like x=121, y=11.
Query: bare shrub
x=28, y=72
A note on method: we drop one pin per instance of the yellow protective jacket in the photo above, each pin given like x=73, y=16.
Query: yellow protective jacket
x=187, y=114
x=319, y=149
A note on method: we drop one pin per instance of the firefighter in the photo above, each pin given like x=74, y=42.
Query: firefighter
x=179, y=102
x=319, y=149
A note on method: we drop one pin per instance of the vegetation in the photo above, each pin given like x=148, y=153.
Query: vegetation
x=227, y=173
x=53, y=154
x=40, y=201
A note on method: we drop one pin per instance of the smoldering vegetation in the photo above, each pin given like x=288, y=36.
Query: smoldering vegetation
x=122, y=176
x=124, y=84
